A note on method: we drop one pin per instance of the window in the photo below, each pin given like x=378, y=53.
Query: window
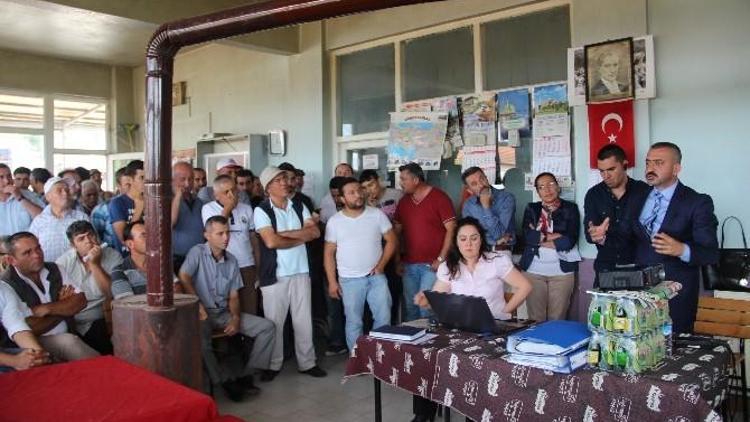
x=439, y=65
x=525, y=50
x=366, y=90
x=21, y=112
x=78, y=136
x=22, y=149
x=80, y=125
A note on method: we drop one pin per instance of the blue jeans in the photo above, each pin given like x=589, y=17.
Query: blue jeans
x=417, y=277
x=354, y=292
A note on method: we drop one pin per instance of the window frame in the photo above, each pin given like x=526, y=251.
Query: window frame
x=48, y=127
x=373, y=139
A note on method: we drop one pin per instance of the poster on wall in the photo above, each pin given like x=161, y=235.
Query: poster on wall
x=483, y=157
x=551, y=150
x=644, y=71
x=514, y=117
x=416, y=137
x=609, y=71
x=479, y=119
x=450, y=105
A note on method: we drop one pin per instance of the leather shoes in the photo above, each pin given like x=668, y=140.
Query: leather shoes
x=233, y=390
x=315, y=371
x=248, y=385
x=268, y=375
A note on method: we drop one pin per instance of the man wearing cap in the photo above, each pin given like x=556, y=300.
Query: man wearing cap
x=294, y=192
x=284, y=227
x=187, y=225
x=50, y=225
x=16, y=211
x=229, y=167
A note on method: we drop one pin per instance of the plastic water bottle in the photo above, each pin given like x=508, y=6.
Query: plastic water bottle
x=667, y=331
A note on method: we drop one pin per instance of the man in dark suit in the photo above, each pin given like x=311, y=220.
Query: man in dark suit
x=676, y=227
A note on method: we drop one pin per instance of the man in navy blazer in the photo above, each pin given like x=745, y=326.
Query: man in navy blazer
x=676, y=227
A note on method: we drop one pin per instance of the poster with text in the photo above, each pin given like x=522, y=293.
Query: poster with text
x=416, y=137
x=514, y=115
x=479, y=119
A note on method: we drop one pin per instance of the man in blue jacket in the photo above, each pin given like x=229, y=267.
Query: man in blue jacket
x=676, y=227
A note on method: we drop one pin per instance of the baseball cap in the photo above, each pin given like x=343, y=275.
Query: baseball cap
x=268, y=174
x=52, y=181
x=226, y=162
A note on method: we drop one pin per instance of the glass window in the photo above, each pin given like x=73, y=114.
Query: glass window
x=18, y=149
x=439, y=65
x=88, y=161
x=80, y=125
x=21, y=112
x=366, y=92
x=526, y=49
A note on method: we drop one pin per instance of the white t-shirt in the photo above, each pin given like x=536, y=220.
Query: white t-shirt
x=240, y=226
x=487, y=281
x=289, y=261
x=358, y=241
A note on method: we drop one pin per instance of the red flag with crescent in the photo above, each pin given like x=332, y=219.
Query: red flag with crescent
x=611, y=123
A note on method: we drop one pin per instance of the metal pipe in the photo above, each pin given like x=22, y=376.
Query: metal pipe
x=162, y=48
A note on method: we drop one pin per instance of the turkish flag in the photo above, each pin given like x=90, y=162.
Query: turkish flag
x=611, y=123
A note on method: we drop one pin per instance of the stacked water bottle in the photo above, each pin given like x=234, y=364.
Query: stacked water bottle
x=631, y=330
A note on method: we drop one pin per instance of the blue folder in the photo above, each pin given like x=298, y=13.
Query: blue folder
x=550, y=338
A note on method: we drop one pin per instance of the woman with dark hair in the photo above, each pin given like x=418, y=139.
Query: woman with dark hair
x=472, y=269
x=550, y=256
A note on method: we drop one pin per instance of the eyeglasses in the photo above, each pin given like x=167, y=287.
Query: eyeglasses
x=550, y=185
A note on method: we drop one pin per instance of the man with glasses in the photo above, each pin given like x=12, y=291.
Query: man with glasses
x=284, y=227
x=676, y=227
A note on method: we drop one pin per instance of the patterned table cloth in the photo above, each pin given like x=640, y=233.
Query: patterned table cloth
x=467, y=374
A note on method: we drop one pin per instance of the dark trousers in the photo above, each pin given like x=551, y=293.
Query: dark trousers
x=97, y=337
x=336, y=336
x=424, y=407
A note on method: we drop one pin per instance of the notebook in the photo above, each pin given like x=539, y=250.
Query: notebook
x=550, y=338
x=398, y=332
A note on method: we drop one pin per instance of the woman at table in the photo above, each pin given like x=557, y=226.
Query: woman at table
x=550, y=256
x=471, y=269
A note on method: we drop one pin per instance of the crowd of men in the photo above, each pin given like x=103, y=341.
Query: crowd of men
x=251, y=247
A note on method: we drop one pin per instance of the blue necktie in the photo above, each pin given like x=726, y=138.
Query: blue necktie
x=650, y=222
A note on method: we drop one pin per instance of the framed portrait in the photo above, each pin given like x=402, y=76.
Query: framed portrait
x=609, y=71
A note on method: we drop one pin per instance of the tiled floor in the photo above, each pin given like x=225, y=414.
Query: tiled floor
x=301, y=398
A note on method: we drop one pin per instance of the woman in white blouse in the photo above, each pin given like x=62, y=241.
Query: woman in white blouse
x=471, y=269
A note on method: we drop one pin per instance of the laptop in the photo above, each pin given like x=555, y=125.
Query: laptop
x=470, y=313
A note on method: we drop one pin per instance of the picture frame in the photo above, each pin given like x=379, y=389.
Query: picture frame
x=277, y=142
x=609, y=71
x=179, y=93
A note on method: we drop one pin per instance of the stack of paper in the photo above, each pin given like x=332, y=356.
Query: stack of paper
x=398, y=333
x=558, y=346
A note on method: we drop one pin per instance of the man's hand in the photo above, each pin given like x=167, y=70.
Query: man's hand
x=378, y=269
x=334, y=290
x=29, y=358
x=94, y=256
x=667, y=245
x=233, y=327
x=599, y=233
x=434, y=266
x=421, y=300
x=485, y=197
x=234, y=199
x=66, y=291
x=400, y=269
x=202, y=314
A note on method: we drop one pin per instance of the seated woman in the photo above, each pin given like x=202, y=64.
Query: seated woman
x=550, y=256
x=471, y=269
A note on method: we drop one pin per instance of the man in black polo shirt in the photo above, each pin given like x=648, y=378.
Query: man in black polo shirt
x=608, y=207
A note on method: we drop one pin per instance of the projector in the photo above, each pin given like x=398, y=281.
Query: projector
x=631, y=278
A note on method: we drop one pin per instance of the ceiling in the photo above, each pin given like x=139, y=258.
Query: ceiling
x=111, y=32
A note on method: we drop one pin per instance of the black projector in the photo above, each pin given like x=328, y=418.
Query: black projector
x=631, y=278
